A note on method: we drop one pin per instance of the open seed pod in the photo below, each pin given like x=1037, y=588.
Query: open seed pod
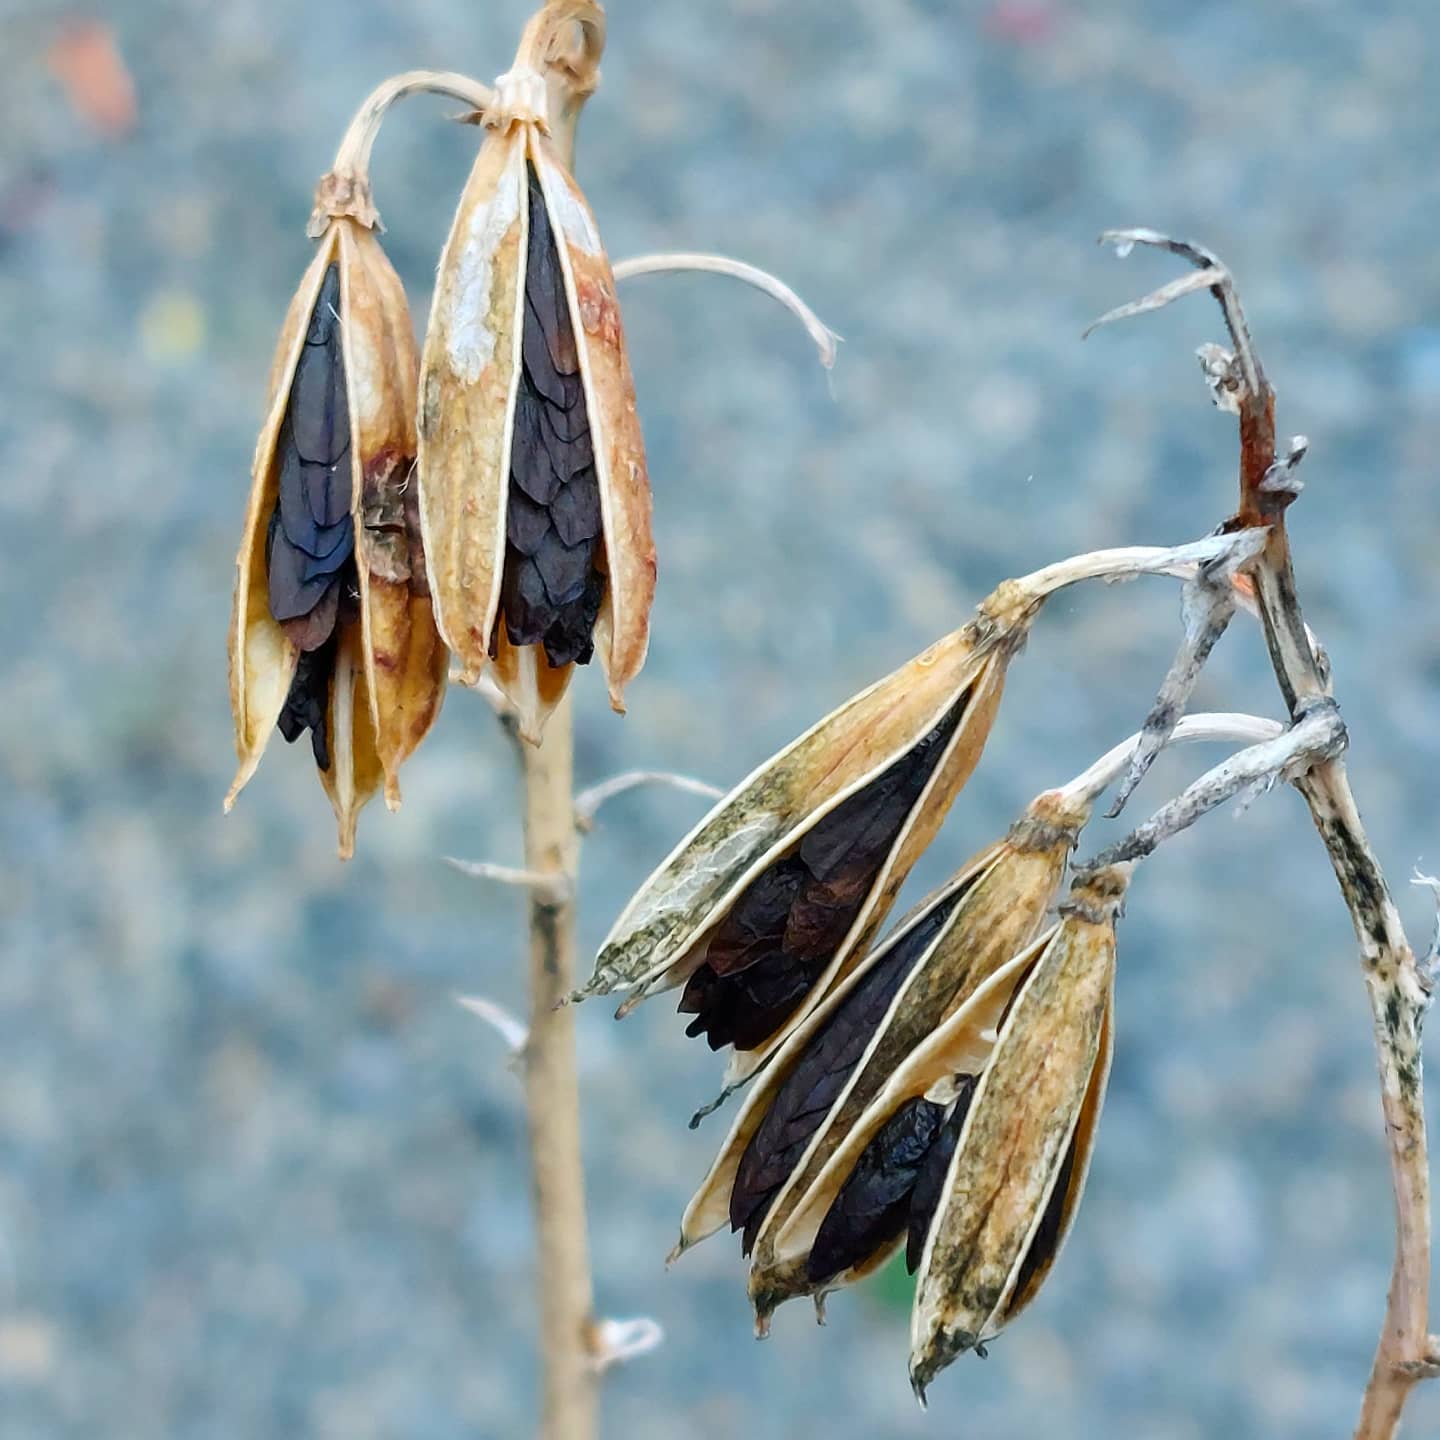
x=332, y=630
x=1014, y=1182
x=534, y=496
x=783, y=1199
x=771, y=898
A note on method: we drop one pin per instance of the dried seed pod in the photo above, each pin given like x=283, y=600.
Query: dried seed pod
x=333, y=630
x=807, y=1099
x=774, y=895
x=535, y=500
x=958, y=1047
x=1020, y=1164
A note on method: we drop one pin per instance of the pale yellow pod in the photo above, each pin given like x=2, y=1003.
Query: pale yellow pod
x=1039, y=1098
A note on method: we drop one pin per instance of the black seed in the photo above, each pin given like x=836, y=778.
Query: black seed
x=294, y=593
x=1047, y=1235
x=769, y=960
x=822, y=1072
x=307, y=701
x=319, y=417
x=563, y=570
x=576, y=512
x=526, y=523
x=552, y=588
x=930, y=1182
x=872, y=1206
x=310, y=546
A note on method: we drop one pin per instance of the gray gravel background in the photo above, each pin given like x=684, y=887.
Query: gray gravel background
x=258, y=1175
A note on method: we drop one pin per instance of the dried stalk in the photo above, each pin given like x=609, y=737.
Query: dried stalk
x=552, y=1097
x=1399, y=989
x=345, y=190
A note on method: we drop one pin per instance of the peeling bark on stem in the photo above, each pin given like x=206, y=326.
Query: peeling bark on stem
x=1399, y=991
x=552, y=1100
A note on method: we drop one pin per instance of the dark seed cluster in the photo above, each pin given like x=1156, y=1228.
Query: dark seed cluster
x=873, y=1205
x=821, y=1073
x=552, y=584
x=783, y=931
x=310, y=548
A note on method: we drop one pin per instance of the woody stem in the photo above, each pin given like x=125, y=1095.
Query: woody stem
x=552, y=1098
x=1399, y=990
x=353, y=156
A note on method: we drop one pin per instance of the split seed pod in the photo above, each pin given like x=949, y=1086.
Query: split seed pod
x=772, y=898
x=773, y=1179
x=535, y=500
x=1014, y=1183
x=332, y=629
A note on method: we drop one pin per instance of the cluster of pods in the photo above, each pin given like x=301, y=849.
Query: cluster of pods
x=937, y=1091
x=485, y=499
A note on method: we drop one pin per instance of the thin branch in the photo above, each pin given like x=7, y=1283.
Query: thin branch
x=1319, y=735
x=1399, y=989
x=547, y=888
x=1090, y=784
x=510, y=1029
x=826, y=340
x=345, y=189
x=1207, y=606
x=588, y=802
x=616, y=1342
x=1125, y=562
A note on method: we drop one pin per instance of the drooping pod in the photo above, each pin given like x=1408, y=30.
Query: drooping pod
x=534, y=494
x=1014, y=1183
x=932, y=1035
x=771, y=899
x=333, y=630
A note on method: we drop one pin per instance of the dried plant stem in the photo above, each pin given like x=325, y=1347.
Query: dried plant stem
x=1399, y=990
x=552, y=1098
x=826, y=340
x=345, y=190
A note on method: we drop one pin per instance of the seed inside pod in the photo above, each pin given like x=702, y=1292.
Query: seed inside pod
x=781, y=933
x=310, y=550
x=930, y=1181
x=873, y=1206
x=552, y=585
x=1047, y=1235
x=821, y=1073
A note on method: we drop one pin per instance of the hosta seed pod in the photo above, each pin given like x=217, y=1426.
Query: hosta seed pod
x=840, y=1057
x=1020, y=1163
x=534, y=496
x=936, y=1071
x=333, y=631
x=774, y=895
